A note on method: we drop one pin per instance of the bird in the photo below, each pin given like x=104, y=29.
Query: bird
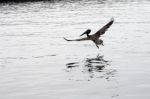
x=94, y=37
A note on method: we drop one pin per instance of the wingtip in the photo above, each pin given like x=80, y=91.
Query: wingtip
x=112, y=19
x=66, y=39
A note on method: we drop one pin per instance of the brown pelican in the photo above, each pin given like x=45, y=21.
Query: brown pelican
x=95, y=37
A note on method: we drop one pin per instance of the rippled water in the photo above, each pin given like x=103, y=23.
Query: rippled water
x=37, y=63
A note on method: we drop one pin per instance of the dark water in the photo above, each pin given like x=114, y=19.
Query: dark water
x=37, y=63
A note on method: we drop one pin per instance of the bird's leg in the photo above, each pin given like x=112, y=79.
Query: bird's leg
x=97, y=46
x=103, y=44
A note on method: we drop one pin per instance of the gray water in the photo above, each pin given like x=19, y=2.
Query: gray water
x=37, y=63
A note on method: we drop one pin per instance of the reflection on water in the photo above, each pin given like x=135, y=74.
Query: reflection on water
x=96, y=64
x=73, y=64
x=92, y=67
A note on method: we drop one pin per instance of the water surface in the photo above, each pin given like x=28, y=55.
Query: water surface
x=37, y=63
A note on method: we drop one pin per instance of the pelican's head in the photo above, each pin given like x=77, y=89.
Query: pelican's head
x=86, y=32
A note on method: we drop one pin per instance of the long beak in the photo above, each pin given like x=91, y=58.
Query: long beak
x=83, y=34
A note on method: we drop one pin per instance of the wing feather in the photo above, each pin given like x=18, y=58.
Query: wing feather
x=104, y=28
x=81, y=39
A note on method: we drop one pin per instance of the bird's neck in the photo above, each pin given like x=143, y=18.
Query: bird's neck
x=88, y=35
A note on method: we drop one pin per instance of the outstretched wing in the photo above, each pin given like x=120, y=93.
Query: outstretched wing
x=81, y=39
x=104, y=28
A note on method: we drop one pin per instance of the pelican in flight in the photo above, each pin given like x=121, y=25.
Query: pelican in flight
x=94, y=37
